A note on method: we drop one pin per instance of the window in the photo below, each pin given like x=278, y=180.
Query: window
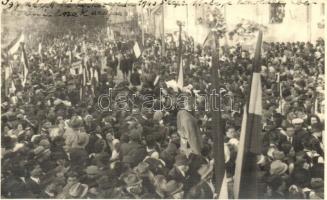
x=277, y=13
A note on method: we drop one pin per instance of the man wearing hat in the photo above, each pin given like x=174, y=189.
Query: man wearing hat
x=180, y=170
x=174, y=190
x=315, y=139
x=134, y=187
x=92, y=174
x=74, y=135
x=108, y=187
x=204, y=189
x=189, y=131
x=133, y=152
x=300, y=134
x=34, y=182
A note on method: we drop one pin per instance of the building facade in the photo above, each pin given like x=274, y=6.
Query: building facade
x=284, y=22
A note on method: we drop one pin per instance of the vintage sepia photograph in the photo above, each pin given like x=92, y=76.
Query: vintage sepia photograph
x=146, y=99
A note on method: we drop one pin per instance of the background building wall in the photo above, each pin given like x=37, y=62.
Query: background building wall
x=300, y=22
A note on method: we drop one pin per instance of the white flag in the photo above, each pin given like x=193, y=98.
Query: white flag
x=180, y=80
x=137, y=50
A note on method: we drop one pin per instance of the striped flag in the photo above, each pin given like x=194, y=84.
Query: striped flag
x=280, y=89
x=15, y=44
x=245, y=180
x=25, y=65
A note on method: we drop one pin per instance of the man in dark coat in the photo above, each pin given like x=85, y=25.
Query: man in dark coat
x=14, y=186
x=300, y=134
x=315, y=142
x=133, y=152
x=204, y=189
x=34, y=183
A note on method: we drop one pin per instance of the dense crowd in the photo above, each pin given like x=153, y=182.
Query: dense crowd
x=57, y=143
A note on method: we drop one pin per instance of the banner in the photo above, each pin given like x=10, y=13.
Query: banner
x=13, y=48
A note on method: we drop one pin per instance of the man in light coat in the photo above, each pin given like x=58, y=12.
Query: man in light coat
x=189, y=130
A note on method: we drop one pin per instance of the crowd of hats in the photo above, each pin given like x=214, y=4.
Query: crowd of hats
x=55, y=145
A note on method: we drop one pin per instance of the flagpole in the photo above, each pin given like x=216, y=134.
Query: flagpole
x=218, y=135
x=180, y=43
x=143, y=26
x=163, y=31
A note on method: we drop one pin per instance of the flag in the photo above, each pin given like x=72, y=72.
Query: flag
x=10, y=81
x=7, y=72
x=246, y=180
x=316, y=106
x=40, y=49
x=25, y=65
x=13, y=87
x=280, y=89
x=180, y=80
x=156, y=80
x=14, y=46
x=137, y=50
x=6, y=82
x=59, y=63
x=110, y=34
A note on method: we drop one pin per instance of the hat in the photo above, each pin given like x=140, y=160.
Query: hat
x=105, y=182
x=37, y=171
x=142, y=167
x=47, y=125
x=261, y=160
x=134, y=134
x=297, y=121
x=44, y=143
x=18, y=146
x=38, y=150
x=75, y=122
x=92, y=170
x=173, y=187
x=278, y=155
x=171, y=148
x=78, y=190
x=317, y=183
x=278, y=167
x=132, y=179
x=205, y=170
x=300, y=83
x=181, y=159
x=159, y=180
x=35, y=138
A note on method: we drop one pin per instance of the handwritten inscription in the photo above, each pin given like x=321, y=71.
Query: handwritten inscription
x=88, y=7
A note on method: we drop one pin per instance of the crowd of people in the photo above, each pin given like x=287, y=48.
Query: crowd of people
x=58, y=143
